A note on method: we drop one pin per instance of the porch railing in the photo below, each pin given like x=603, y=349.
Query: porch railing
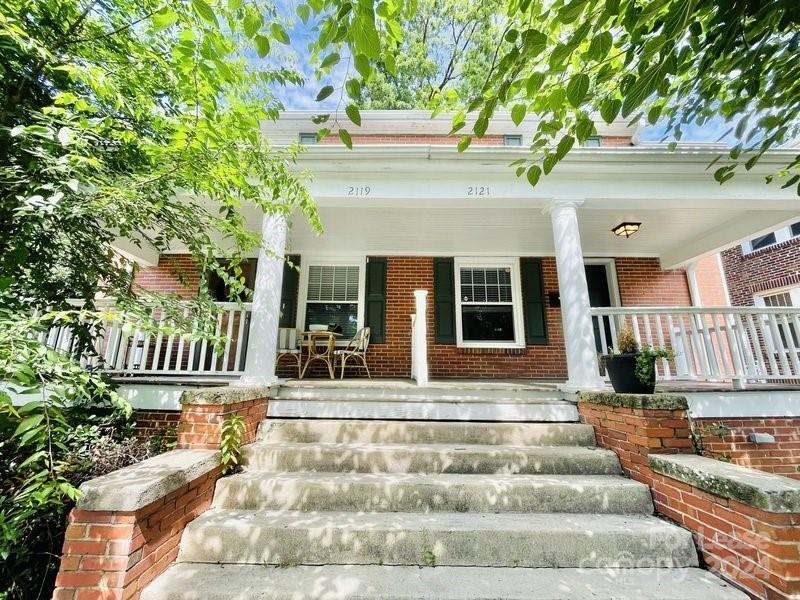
x=122, y=349
x=711, y=344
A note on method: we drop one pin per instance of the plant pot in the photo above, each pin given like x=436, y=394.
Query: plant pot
x=621, y=370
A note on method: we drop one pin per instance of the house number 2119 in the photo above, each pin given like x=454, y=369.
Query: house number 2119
x=478, y=190
x=358, y=190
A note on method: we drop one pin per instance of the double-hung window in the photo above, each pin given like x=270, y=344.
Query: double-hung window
x=786, y=298
x=333, y=295
x=488, y=303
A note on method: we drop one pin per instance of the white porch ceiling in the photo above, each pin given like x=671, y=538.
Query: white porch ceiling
x=502, y=231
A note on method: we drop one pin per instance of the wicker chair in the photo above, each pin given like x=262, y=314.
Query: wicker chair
x=356, y=348
x=289, y=345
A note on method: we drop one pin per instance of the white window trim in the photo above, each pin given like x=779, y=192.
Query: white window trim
x=516, y=299
x=783, y=234
x=794, y=294
x=328, y=261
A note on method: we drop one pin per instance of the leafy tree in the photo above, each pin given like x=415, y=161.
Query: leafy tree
x=447, y=44
x=671, y=62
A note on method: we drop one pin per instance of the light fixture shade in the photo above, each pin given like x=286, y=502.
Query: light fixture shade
x=626, y=229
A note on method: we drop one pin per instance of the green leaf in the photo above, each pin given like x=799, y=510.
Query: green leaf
x=330, y=60
x=641, y=89
x=577, y=89
x=534, y=173
x=609, y=109
x=481, y=125
x=464, y=142
x=584, y=129
x=550, y=161
x=365, y=36
x=279, y=33
x=346, y=139
x=164, y=18
x=353, y=114
x=600, y=45
x=324, y=93
x=361, y=63
x=204, y=11
x=323, y=133
x=28, y=423
x=518, y=113
x=262, y=45
x=304, y=12
x=353, y=88
x=253, y=22
x=564, y=146
x=534, y=84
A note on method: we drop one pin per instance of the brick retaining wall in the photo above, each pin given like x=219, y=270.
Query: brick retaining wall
x=756, y=549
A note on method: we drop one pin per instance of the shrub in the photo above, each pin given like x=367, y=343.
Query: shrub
x=626, y=341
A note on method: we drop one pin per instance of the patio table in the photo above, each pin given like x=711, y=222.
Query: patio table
x=320, y=346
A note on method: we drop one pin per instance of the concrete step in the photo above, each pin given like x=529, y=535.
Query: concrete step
x=426, y=432
x=447, y=539
x=428, y=458
x=552, y=411
x=374, y=393
x=257, y=490
x=260, y=582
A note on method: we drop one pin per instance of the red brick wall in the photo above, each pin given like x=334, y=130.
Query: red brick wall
x=616, y=140
x=782, y=457
x=711, y=281
x=201, y=424
x=114, y=555
x=154, y=422
x=634, y=433
x=767, y=269
x=643, y=283
x=755, y=549
x=175, y=273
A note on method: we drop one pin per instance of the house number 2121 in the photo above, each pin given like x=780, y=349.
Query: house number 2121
x=478, y=190
x=358, y=190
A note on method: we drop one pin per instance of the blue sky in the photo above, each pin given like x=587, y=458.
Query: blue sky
x=303, y=97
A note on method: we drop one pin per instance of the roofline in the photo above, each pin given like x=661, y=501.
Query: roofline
x=420, y=122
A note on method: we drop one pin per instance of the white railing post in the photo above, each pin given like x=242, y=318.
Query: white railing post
x=419, y=338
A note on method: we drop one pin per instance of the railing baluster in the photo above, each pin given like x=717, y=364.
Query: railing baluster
x=762, y=345
x=660, y=336
x=216, y=335
x=688, y=350
x=181, y=341
x=779, y=345
x=725, y=365
x=239, y=340
x=228, y=337
x=789, y=333
x=159, y=340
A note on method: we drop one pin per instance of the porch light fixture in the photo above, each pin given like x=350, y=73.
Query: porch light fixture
x=627, y=229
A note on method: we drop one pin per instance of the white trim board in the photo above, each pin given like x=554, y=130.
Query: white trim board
x=143, y=396
x=756, y=404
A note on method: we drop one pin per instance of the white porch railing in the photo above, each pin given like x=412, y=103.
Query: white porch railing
x=122, y=349
x=711, y=344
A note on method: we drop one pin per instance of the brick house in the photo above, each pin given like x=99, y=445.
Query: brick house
x=517, y=279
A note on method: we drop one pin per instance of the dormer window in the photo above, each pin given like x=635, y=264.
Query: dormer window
x=592, y=142
x=308, y=139
x=512, y=140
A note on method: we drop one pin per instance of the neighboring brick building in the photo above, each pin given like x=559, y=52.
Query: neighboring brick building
x=765, y=271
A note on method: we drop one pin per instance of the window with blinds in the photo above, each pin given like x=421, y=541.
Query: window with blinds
x=780, y=299
x=332, y=297
x=487, y=309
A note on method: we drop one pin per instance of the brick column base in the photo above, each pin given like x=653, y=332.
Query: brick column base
x=204, y=411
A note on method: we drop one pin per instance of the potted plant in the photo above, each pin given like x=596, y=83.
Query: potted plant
x=632, y=370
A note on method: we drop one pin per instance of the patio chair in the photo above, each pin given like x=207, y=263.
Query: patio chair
x=356, y=348
x=289, y=345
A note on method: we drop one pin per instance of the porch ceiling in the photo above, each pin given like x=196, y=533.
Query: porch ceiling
x=514, y=231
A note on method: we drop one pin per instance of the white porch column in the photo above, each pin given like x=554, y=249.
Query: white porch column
x=582, y=366
x=262, y=342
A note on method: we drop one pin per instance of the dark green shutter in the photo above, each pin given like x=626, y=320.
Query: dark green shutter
x=444, y=301
x=289, y=290
x=533, y=301
x=375, y=317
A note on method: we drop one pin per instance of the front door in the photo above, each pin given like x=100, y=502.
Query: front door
x=599, y=295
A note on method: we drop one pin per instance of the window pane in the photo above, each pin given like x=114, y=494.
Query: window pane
x=485, y=285
x=763, y=241
x=781, y=299
x=796, y=229
x=343, y=314
x=487, y=323
x=333, y=283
